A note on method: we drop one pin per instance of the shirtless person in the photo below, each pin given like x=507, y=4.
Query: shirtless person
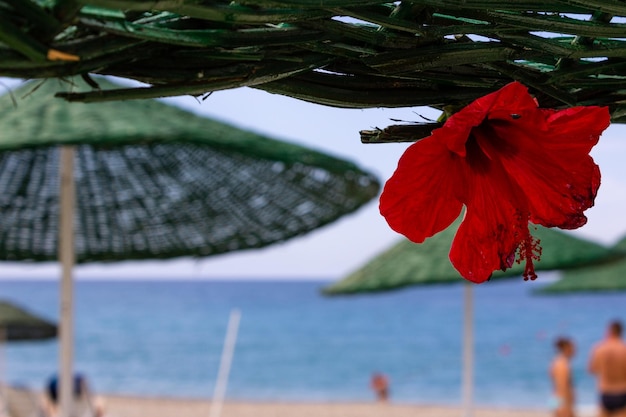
x=561, y=375
x=608, y=364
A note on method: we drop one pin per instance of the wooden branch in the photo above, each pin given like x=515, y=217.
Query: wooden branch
x=399, y=133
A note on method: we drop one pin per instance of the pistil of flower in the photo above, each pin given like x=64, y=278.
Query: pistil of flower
x=529, y=250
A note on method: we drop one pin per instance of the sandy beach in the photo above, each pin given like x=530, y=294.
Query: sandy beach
x=130, y=406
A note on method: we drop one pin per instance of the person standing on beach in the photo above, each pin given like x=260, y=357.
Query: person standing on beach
x=561, y=376
x=608, y=364
x=380, y=385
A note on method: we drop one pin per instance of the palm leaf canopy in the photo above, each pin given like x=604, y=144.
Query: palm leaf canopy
x=154, y=181
x=342, y=53
x=599, y=278
x=20, y=324
x=407, y=263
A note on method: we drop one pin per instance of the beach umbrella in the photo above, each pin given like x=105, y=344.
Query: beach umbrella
x=17, y=323
x=144, y=180
x=408, y=264
x=598, y=278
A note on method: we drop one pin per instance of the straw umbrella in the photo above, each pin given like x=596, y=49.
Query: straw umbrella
x=17, y=323
x=407, y=264
x=144, y=180
x=599, y=278
x=343, y=53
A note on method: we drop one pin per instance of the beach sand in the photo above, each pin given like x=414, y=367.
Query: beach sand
x=130, y=406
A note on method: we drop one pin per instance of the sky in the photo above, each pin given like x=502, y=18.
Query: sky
x=337, y=249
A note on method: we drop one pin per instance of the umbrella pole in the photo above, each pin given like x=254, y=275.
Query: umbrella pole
x=4, y=411
x=468, y=351
x=67, y=257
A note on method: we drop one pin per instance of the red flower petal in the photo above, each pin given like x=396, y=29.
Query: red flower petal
x=458, y=126
x=421, y=198
x=549, y=160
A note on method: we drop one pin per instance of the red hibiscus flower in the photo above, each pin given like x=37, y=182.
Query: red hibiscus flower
x=509, y=163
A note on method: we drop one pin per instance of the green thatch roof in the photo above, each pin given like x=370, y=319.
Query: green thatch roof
x=407, y=263
x=154, y=181
x=18, y=324
x=599, y=278
x=343, y=53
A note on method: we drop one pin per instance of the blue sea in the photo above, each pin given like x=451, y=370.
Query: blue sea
x=166, y=337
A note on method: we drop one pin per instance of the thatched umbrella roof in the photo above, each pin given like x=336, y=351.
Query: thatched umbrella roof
x=407, y=264
x=343, y=53
x=599, y=278
x=154, y=181
x=16, y=323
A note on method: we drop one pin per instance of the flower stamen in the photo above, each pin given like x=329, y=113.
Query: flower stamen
x=529, y=251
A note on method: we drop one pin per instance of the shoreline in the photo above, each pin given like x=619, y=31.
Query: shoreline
x=117, y=405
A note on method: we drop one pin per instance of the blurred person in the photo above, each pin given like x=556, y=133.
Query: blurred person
x=380, y=386
x=561, y=375
x=608, y=364
x=84, y=404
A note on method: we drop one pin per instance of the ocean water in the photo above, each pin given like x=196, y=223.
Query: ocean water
x=165, y=338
